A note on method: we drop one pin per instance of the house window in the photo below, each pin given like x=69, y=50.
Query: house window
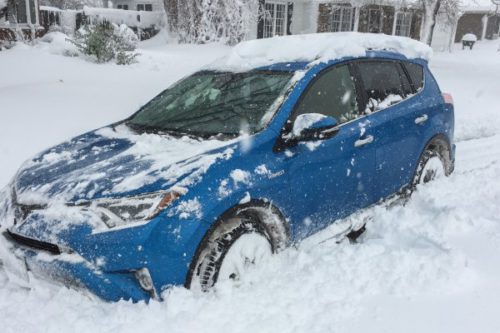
x=125, y=7
x=20, y=10
x=342, y=18
x=275, y=14
x=145, y=7
x=374, y=20
x=403, y=24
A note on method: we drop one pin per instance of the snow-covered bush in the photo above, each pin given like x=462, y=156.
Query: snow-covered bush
x=106, y=41
x=205, y=21
x=58, y=43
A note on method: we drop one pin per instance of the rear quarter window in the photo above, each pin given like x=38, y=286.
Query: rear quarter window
x=416, y=73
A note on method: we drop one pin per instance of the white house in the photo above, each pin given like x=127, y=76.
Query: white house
x=392, y=17
x=308, y=16
x=19, y=19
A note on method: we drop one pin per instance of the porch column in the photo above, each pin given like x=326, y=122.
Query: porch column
x=485, y=26
x=356, y=18
x=394, y=22
x=37, y=12
x=28, y=11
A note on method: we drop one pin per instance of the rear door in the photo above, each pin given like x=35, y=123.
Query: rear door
x=394, y=115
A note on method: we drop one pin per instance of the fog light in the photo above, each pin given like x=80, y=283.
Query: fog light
x=142, y=275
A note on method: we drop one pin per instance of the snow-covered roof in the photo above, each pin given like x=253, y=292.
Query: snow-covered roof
x=477, y=6
x=49, y=8
x=319, y=47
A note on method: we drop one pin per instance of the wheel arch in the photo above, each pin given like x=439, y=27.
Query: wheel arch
x=441, y=144
x=262, y=211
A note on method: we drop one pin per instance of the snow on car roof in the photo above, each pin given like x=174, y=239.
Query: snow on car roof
x=313, y=48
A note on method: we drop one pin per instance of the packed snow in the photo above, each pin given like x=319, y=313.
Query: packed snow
x=428, y=266
x=469, y=38
x=315, y=48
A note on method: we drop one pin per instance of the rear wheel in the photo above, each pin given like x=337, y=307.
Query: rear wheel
x=431, y=166
x=434, y=163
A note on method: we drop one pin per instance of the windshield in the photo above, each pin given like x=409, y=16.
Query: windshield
x=211, y=103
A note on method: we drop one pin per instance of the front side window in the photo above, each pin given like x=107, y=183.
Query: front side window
x=383, y=83
x=342, y=18
x=211, y=103
x=403, y=24
x=275, y=14
x=332, y=94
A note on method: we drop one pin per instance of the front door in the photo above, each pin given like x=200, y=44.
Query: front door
x=331, y=178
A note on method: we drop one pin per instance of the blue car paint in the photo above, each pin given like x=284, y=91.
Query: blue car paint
x=297, y=182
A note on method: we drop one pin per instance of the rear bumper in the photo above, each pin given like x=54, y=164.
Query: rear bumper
x=73, y=271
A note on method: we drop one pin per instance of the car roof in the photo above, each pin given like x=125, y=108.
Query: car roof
x=370, y=54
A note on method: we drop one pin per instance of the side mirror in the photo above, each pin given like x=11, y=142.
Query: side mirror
x=309, y=126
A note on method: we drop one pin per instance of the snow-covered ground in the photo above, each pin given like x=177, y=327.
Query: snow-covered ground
x=431, y=266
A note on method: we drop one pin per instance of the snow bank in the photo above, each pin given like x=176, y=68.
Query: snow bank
x=316, y=47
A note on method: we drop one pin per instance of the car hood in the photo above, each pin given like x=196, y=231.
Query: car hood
x=114, y=162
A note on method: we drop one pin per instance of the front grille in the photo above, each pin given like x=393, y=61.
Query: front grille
x=33, y=243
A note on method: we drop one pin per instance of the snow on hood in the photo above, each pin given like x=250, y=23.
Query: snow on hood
x=321, y=47
x=115, y=162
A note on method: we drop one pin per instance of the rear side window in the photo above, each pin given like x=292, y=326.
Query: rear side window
x=384, y=83
x=416, y=73
x=333, y=94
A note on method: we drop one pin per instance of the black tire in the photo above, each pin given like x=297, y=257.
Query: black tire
x=437, y=150
x=213, y=250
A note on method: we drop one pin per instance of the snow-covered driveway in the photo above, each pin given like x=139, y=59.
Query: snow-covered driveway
x=431, y=266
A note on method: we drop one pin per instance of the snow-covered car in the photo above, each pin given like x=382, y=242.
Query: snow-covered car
x=278, y=140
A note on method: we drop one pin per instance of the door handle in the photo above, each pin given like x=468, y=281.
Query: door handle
x=421, y=120
x=365, y=141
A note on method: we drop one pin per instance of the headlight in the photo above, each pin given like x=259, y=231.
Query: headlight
x=126, y=210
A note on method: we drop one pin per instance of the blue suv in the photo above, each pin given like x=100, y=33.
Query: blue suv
x=224, y=168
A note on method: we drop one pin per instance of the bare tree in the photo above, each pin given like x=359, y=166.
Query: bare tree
x=431, y=8
x=204, y=21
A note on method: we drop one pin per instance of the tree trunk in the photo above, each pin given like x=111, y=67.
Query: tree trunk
x=171, y=9
x=430, y=9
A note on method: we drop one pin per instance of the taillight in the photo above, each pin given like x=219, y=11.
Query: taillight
x=448, y=99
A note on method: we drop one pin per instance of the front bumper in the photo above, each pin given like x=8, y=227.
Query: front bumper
x=75, y=272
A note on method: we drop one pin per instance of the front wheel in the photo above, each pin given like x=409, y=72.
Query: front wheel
x=231, y=249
